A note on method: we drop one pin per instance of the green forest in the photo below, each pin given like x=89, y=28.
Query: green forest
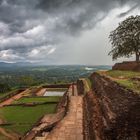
x=27, y=76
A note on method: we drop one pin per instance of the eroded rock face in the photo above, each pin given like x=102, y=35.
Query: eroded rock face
x=93, y=122
x=113, y=111
x=80, y=87
x=133, y=66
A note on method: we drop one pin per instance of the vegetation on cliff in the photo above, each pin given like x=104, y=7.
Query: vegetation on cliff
x=128, y=79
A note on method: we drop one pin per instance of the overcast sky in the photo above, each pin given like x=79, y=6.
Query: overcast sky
x=60, y=31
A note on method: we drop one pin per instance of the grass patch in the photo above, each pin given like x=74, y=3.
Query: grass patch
x=3, y=94
x=20, y=129
x=125, y=78
x=129, y=84
x=2, y=137
x=87, y=84
x=23, y=118
x=38, y=99
x=20, y=114
x=125, y=74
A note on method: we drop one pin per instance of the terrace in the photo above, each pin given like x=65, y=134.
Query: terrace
x=21, y=115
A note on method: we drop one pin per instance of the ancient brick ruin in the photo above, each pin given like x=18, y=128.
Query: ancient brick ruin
x=103, y=111
x=132, y=66
x=112, y=112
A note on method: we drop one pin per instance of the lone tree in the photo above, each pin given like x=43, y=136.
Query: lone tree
x=125, y=39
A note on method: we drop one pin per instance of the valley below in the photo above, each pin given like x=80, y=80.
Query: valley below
x=104, y=105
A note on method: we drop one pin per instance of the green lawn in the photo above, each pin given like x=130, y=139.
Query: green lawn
x=38, y=99
x=125, y=78
x=4, y=94
x=27, y=116
x=2, y=137
x=20, y=129
x=123, y=74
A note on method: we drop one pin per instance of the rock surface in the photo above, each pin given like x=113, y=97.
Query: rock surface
x=132, y=66
x=116, y=110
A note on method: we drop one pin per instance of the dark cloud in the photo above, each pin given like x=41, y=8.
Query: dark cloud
x=78, y=15
x=1, y=2
x=57, y=4
x=54, y=5
x=30, y=27
x=128, y=11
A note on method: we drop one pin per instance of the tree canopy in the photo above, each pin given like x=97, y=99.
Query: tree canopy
x=4, y=87
x=125, y=39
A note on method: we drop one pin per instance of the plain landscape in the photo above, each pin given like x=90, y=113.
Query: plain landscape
x=42, y=104
x=69, y=70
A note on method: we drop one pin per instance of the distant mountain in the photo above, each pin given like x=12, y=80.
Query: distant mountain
x=23, y=64
x=18, y=64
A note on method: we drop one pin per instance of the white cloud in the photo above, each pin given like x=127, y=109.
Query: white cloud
x=9, y=56
x=35, y=31
x=52, y=50
x=34, y=52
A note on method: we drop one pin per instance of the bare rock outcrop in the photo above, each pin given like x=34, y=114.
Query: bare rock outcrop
x=80, y=87
x=132, y=66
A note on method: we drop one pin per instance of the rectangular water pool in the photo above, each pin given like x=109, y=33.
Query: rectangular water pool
x=54, y=93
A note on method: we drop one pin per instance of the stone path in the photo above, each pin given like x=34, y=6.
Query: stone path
x=75, y=90
x=41, y=92
x=71, y=127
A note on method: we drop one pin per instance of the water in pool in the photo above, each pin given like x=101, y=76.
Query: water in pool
x=54, y=93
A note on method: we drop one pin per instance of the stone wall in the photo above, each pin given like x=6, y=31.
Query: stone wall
x=113, y=112
x=133, y=66
x=93, y=123
x=57, y=86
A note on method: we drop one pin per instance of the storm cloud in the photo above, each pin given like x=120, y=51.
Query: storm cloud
x=49, y=31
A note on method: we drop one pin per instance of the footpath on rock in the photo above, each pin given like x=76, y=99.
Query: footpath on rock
x=71, y=126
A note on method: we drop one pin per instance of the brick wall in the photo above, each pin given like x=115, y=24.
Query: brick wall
x=113, y=112
x=134, y=66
